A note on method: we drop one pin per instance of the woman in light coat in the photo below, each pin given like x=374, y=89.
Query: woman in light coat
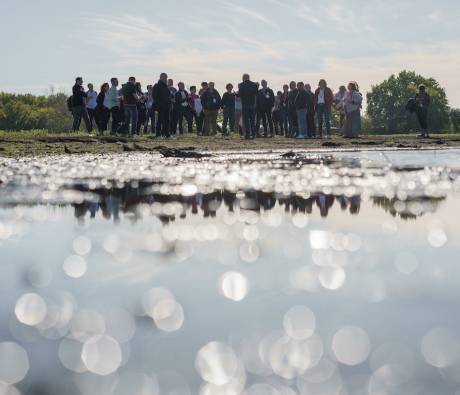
x=352, y=102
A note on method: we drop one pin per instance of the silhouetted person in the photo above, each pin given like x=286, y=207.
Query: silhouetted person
x=422, y=102
x=265, y=103
x=247, y=91
x=79, y=106
x=162, y=104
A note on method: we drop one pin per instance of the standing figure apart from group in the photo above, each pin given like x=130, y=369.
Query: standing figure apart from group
x=252, y=110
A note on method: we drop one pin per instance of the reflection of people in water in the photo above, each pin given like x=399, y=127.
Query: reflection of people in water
x=115, y=200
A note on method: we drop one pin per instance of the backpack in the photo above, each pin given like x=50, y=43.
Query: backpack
x=411, y=105
x=69, y=103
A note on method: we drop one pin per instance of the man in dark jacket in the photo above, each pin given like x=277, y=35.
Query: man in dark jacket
x=265, y=103
x=301, y=105
x=78, y=106
x=228, y=104
x=130, y=99
x=422, y=102
x=293, y=127
x=248, y=92
x=211, y=102
x=162, y=104
x=183, y=108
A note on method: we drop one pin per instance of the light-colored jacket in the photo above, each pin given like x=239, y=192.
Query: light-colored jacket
x=112, y=98
x=352, y=101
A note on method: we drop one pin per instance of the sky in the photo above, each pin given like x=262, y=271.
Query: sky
x=48, y=43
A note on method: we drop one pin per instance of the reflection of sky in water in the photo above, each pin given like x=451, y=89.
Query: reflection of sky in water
x=184, y=296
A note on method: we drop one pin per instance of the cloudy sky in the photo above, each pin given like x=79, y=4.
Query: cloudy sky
x=48, y=42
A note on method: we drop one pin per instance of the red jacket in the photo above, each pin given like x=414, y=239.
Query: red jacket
x=328, y=97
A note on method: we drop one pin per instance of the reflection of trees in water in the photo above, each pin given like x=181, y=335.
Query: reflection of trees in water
x=410, y=208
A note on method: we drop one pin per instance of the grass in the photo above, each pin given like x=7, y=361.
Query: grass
x=40, y=143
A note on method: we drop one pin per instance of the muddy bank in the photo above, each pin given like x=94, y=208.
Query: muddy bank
x=49, y=145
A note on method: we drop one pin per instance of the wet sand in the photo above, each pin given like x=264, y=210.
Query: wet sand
x=49, y=145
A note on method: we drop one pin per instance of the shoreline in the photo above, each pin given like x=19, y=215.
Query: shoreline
x=49, y=145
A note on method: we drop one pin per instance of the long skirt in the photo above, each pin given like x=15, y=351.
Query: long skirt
x=352, y=125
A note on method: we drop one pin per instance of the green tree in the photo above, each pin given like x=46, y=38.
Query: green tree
x=386, y=103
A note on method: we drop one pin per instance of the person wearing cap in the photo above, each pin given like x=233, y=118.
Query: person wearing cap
x=79, y=106
x=422, y=102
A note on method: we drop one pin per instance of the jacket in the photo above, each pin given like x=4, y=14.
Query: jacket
x=265, y=99
x=129, y=94
x=182, y=102
x=248, y=93
x=211, y=100
x=78, y=95
x=328, y=97
x=228, y=100
x=291, y=99
x=161, y=96
x=301, y=100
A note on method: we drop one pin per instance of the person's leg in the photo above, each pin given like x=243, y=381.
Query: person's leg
x=270, y=122
x=264, y=122
x=246, y=121
x=166, y=123
x=225, y=121
x=85, y=116
x=189, y=119
x=252, y=116
x=231, y=119
x=300, y=123
x=214, y=121
x=320, y=115
x=206, y=123
x=327, y=116
x=258, y=119
x=76, y=112
x=180, y=120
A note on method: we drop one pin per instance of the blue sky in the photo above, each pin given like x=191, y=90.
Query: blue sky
x=52, y=41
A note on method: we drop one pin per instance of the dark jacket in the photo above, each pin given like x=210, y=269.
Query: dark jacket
x=181, y=102
x=78, y=96
x=328, y=97
x=100, y=101
x=129, y=91
x=265, y=99
x=248, y=93
x=161, y=96
x=211, y=100
x=422, y=100
x=285, y=101
x=228, y=100
x=291, y=99
x=301, y=100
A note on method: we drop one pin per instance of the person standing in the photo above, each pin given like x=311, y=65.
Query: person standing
x=265, y=103
x=211, y=102
x=239, y=125
x=102, y=112
x=338, y=104
x=311, y=128
x=79, y=106
x=293, y=126
x=301, y=102
x=228, y=105
x=173, y=116
x=162, y=104
x=141, y=108
x=91, y=104
x=285, y=109
x=113, y=104
x=422, y=102
x=276, y=114
x=352, y=105
x=182, y=101
x=130, y=99
x=323, y=104
x=197, y=110
x=150, y=110
x=248, y=92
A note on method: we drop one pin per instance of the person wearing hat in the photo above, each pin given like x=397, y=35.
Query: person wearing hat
x=422, y=102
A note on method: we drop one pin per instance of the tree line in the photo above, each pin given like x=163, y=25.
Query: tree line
x=385, y=112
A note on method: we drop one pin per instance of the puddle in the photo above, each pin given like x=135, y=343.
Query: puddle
x=239, y=274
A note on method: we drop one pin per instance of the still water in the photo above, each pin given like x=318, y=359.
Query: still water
x=241, y=274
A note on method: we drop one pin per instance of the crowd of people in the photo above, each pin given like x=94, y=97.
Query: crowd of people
x=252, y=110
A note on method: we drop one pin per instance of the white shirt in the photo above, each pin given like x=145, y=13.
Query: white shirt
x=91, y=102
x=321, y=97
